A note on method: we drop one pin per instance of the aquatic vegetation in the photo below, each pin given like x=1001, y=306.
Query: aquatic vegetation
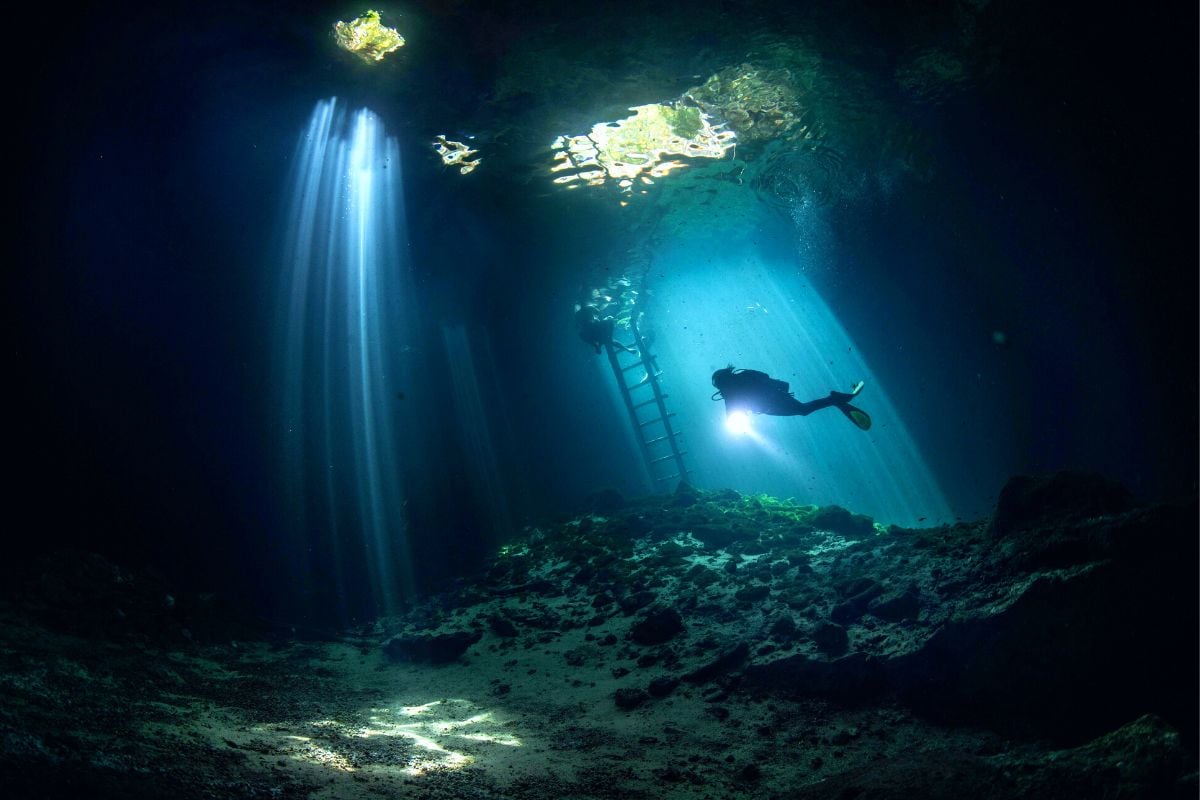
x=617, y=299
x=685, y=121
x=367, y=37
x=786, y=509
x=638, y=147
x=758, y=103
x=588, y=620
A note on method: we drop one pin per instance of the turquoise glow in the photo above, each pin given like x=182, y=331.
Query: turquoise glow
x=724, y=297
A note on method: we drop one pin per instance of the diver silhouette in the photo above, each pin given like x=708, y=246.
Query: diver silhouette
x=754, y=392
x=596, y=330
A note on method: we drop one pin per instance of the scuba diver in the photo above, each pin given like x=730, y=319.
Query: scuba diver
x=750, y=391
x=596, y=330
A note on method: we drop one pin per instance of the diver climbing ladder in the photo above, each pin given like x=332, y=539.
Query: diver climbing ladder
x=658, y=438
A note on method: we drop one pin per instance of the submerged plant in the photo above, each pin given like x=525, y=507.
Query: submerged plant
x=367, y=37
x=685, y=121
x=639, y=147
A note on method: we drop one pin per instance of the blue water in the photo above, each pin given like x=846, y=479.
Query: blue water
x=264, y=337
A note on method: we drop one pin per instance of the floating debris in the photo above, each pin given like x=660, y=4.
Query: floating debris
x=456, y=154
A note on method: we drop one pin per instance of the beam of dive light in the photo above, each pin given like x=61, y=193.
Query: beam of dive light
x=740, y=426
x=347, y=311
x=737, y=422
x=721, y=299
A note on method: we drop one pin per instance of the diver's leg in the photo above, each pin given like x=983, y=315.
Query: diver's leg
x=843, y=397
x=841, y=401
x=784, y=405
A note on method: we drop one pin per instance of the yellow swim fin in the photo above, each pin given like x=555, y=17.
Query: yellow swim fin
x=856, y=415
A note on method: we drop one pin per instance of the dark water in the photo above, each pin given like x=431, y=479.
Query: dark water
x=1007, y=235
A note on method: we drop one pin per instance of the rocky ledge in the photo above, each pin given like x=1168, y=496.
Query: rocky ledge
x=694, y=645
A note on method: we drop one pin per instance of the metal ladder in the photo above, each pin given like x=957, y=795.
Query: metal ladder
x=648, y=414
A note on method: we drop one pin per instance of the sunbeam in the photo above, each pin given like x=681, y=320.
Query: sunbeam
x=732, y=302
x=346, y=331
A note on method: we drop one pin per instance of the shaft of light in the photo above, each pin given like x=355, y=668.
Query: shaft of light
x=344, y=326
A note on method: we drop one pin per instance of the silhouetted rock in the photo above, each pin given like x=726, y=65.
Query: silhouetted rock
x=850, y=610
x=783, y=629
x=715, y=537
x=605, y=501
x=852, y=680
x=501, y=627
x=831, y=639
x=1045, y=501
x=441, y=648
x=897, y=606
x=658, y=626
x=662, y=686
x=839, y=520
x=630, y=698
x=730, y=658
x=1075, y=652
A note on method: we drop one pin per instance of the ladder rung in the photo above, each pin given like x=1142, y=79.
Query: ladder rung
x=666, y=478
x=648, y=402
x=663, y=458
x=656, y=419
x=637, y=363
x=660, y=439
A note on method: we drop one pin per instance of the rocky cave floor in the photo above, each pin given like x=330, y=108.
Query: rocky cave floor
x=693, y=645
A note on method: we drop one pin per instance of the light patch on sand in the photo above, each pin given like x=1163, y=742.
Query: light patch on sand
x=438, y=735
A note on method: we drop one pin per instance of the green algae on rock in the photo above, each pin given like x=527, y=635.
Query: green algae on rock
x=367, y=37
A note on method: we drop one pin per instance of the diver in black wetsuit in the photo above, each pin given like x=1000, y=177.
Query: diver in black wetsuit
x=753, y=392
x=597, y=331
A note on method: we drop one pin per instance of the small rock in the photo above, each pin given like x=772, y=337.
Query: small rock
x=726, y=661
x=751, y=773
x=752, y=593
x=897, y=607
x=839, y=520
x=630, y=698
x=783, y=629
x=662, y=686
x=502, y=627
x=658, y=626
x=831, y=639
x=440, y=648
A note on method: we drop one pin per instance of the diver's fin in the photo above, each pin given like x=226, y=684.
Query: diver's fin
x=846, y=397
x=856, y=415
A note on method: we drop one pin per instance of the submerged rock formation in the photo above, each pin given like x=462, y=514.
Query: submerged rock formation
x=756, y=648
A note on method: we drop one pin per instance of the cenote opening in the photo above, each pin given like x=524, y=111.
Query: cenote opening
x=686, y=400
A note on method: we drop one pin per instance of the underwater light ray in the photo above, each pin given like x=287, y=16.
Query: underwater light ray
x=722, y=300
x=298, y=265
x=809, y=306
x=347, y=291
x=474, y=429
x=360, y=199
